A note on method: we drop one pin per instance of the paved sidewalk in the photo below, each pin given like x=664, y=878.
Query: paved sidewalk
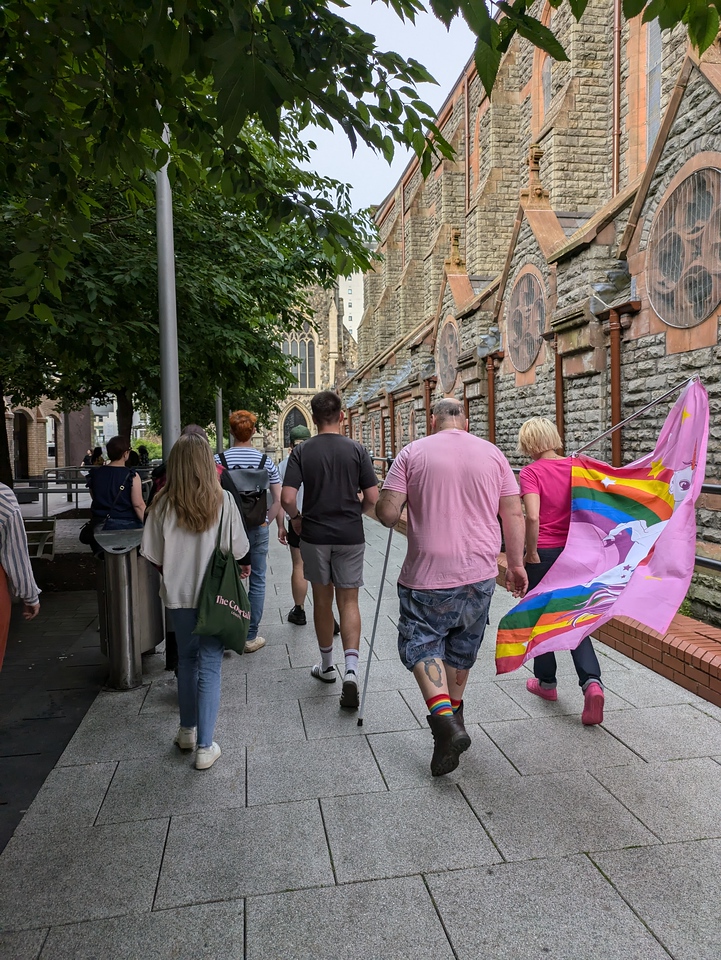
x=314, y=839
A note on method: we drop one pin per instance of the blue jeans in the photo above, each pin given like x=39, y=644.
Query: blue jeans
x=199, y=662
x=446, y=624
x=258, y=537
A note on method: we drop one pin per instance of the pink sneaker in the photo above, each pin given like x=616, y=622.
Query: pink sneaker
x=545, y=693
x=592, y=704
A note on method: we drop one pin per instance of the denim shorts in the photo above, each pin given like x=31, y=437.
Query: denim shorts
x=445, y=624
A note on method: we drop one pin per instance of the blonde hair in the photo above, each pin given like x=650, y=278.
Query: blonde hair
x=192, y=489
x=538, y=435
x=242, y=425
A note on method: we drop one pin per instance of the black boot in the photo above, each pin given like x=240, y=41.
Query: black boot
x=450, y=740
x=459, y=715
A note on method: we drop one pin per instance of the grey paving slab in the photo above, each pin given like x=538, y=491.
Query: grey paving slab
x=297, y=771
x=303, y=652
x=552, y=815
x=25, y=945
x=482, y=701
x=258, y=723
x=647, y=689
x=385, y=920
x=384, y=712
x=170, y=785
x=404, y=832
x=676, y=890
x=678, y=799
x=209, y=931
x=558, y=743
x=89, y=874
x=226, y=854
x=667, y=733
x=405, y=757
x=561, y=908
x=289, y=685
x=101, y=738
x=70, y=798
x=569, y=702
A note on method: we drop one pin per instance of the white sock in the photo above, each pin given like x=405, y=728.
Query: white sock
x=351, y=661
x=326, y=654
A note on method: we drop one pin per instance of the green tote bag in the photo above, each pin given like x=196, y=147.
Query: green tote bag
x=223, y=606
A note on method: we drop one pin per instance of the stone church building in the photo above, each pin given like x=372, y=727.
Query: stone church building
x=326, y=354
x=567, y=262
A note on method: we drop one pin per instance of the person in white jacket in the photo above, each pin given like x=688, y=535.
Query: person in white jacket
x=179, y=537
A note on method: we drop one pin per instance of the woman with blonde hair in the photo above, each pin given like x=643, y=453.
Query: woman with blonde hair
x=179, y=537
x=546, y=494
x=243, y=455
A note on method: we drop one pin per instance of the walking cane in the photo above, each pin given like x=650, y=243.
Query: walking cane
x=375, y=625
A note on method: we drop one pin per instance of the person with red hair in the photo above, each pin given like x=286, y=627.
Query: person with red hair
x=244, y=455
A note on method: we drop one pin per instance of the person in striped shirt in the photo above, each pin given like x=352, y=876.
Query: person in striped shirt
x=16, y=573
x=244, y=454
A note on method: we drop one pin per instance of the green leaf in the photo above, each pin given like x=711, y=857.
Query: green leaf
x=487, y=62
x=43, y=312
x=17, y=311
x=632, y=8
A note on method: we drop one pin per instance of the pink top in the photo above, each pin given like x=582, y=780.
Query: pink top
x=551, y=480
x=453, y=482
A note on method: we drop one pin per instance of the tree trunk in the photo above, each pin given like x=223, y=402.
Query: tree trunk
x=125, y=413
x=6, y=467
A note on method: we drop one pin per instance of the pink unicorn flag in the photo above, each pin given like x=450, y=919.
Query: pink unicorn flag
x=631, y=543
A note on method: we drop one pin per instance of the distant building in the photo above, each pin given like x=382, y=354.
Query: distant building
x=42, y=437
x=350, y=290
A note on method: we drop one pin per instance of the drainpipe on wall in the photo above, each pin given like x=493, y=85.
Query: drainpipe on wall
x=392, y=418
x=614, y=329
x=427, y=405
x=466, y=409
x=616, y=148
x=558, y=377
x=383, y=440
x=490, y=371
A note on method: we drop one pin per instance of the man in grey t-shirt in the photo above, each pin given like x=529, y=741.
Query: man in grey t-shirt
x=333, y=469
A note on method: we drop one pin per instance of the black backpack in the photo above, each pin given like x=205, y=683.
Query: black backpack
x=250, y=490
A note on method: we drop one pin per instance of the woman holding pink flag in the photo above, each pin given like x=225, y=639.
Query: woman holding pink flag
x=546, y=493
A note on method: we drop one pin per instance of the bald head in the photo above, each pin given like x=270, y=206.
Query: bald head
x=448, y=414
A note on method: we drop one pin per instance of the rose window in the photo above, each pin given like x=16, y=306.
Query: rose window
x=526, y=321
x=448, y=356
x=683, y=265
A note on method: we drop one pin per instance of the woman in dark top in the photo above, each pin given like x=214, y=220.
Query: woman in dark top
x=97, y=457
x=124, y=508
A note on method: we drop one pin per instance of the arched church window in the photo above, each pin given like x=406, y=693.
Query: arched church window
x=683, y=261
x=547, y=83
x=300, y=346
x=526, y=321
x=447, y=359
x=294, y=418
x=654, y=57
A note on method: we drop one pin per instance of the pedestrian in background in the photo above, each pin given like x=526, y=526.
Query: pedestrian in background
x=243, y=455
x=546, y=493
x=454, y=486
x=298, y=583
x=179, y=537
x=114, y=508
x=339, y=486
x=16, y=572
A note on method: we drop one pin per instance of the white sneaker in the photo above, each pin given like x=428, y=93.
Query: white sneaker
x=206, y=756
x=253, y=645
x=349, y=693
x=186, y=738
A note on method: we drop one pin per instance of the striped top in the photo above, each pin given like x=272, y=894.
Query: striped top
x=250, y=457
x=14, y=558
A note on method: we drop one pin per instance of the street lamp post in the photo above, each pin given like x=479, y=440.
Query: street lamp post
x=167, y=315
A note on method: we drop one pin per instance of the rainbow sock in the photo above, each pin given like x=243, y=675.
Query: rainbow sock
x=456, y=705
x=440, y=706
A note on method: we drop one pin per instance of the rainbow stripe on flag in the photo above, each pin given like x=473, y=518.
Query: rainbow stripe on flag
x=631, y=543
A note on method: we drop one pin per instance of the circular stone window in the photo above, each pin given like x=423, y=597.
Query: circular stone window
x=683, y=263
x=526, y=321
x=448, y=356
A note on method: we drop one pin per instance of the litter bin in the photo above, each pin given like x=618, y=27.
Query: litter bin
x=131, y=609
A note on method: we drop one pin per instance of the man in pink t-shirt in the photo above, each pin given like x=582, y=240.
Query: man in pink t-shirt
x=454, y=486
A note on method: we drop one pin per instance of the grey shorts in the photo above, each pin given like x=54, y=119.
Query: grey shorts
x=445, y=624
x=339, y=564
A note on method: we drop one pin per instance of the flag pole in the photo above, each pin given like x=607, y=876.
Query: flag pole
x=607, y=433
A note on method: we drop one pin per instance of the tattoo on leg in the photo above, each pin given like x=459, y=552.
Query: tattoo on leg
x=433, y=672
x=461, y=677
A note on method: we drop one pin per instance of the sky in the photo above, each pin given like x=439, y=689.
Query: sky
x=443, y=53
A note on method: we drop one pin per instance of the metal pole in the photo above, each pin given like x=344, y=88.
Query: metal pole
x=606, y=433
x=219, y=439
x=167, y=316
x=375, y=624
